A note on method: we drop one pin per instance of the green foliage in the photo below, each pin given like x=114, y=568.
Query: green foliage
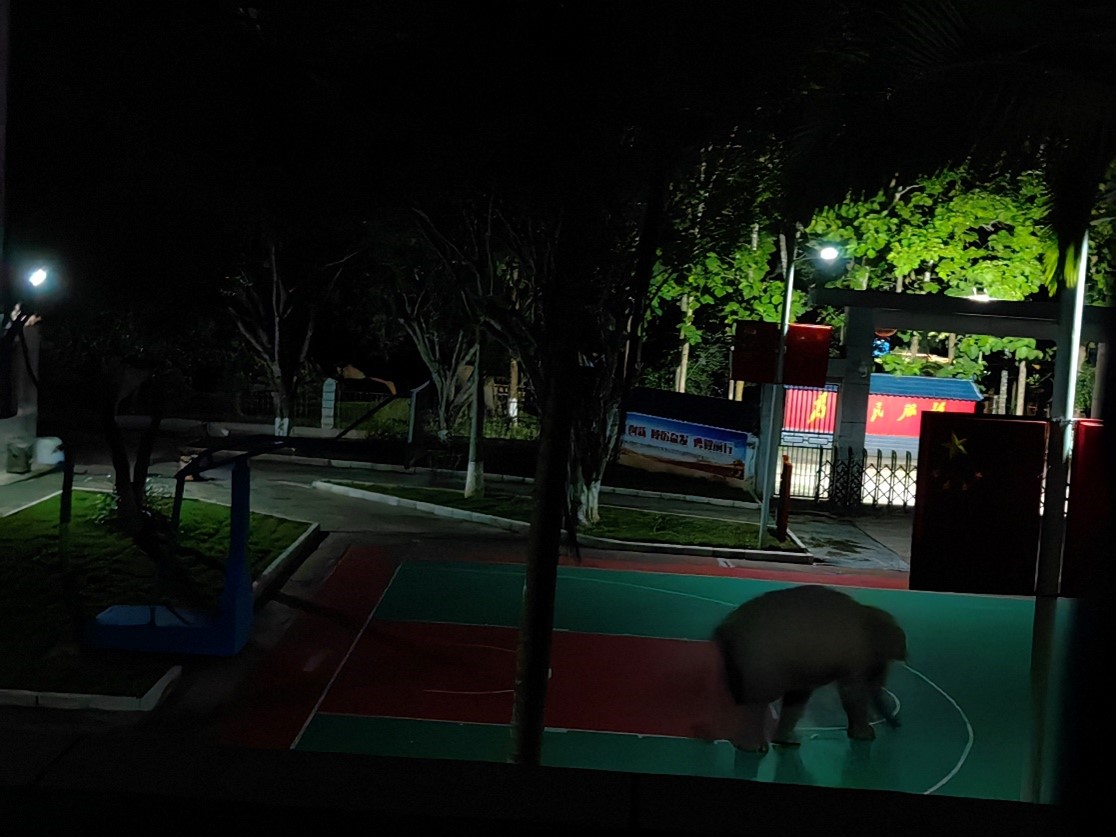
x=974, y=346
x=158, y=503
x=741, y=286
x=969, y=361
x=953, y=233
x=105, y=568
x=1086, y=381
x=526, y=426
x=901, y=363
x=946, y=234
x=389, y=422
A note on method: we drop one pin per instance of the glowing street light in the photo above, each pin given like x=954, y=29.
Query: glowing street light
x=12, y=323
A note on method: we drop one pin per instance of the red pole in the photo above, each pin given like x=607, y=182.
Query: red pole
x=784, y=500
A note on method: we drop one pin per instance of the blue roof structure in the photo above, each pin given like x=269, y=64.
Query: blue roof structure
x=917, y=386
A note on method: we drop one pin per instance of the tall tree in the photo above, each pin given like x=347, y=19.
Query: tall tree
x=275, y=303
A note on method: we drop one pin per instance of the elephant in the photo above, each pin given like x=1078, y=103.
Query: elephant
x=787, y=643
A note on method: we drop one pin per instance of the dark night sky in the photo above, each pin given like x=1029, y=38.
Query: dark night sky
x=144, y=137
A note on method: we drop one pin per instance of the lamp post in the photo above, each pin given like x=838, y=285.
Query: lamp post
x=774, y=422
x=1052, y=541
x=11, y=331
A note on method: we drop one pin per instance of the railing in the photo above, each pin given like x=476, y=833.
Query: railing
x=259, y=404
x=846, y=480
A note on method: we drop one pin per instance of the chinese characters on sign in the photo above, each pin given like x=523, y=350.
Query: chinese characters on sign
x=660, y=444
x=815, y=411
x=895, y=415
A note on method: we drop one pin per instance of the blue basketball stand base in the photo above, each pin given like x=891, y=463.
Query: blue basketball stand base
x=221, y=631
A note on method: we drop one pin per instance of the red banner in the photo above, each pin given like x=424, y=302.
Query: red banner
x=810, y=410
x=897, y=415
x=815, y=411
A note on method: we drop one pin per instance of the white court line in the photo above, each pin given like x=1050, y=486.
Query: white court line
x=968, y=726
x=472, y=694
x=898, y=707
x=344, y=660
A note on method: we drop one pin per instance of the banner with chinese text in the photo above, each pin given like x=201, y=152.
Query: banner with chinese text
x=815, y=411
x=660, y=444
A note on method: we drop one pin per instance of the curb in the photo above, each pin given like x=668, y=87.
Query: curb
x=299, y=549
x=400, y=469
x=418, y=505
x=112, y=703
x=587, y=540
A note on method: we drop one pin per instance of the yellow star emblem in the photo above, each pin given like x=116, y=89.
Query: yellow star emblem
x=955, y=446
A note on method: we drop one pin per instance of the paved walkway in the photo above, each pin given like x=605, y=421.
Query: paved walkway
x=284, y=488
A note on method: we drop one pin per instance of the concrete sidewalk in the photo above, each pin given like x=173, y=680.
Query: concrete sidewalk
x=283, y=486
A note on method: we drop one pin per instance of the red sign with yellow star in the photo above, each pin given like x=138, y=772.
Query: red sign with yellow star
x=976, y=518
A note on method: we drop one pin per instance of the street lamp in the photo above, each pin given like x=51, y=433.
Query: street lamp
x=774, y=427
x=11, y=330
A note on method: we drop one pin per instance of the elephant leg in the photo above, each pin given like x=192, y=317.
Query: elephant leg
x=855, y=699
x=752, y=728
x=794, y=704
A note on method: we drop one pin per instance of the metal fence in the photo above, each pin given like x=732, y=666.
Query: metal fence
x=351, y=398
x=258, y=404
x=847, y=480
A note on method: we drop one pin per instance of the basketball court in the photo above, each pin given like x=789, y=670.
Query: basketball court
x=417, y=659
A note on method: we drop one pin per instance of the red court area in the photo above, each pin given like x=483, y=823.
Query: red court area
x=342, y=661
x=466, y=673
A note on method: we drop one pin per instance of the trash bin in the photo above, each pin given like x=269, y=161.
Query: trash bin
x=19, y=458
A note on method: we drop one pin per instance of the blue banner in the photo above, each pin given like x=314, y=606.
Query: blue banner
x=660, y=444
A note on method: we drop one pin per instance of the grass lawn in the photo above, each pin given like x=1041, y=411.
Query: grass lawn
x=618, y=523
x=103, y=568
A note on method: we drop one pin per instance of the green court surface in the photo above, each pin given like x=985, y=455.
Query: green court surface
x=964, y=696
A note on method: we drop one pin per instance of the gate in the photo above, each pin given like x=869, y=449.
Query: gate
x=847, y=480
